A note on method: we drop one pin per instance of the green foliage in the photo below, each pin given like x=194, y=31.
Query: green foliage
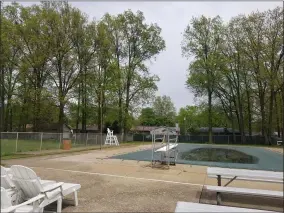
x=162, y=113
x=85, y=71
x=237, y=66
x=148, y=117
x=191, y=118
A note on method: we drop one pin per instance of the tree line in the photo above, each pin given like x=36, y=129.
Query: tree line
x=238, y=67
x=60, y=67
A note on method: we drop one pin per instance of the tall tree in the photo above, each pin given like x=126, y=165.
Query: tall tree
x=164, y=110
x=148, y=117
x=202, y=39
x=142, y=43
x=61, y=23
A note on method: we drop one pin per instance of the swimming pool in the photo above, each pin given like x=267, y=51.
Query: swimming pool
x=262, y=159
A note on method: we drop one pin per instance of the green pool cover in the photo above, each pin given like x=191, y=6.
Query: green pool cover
x=239, y=157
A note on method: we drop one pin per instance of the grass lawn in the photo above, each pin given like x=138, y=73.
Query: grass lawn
x=8, y=147
x=75, y=148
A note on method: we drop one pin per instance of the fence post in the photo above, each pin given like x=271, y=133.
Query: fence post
x=75, y=139
x=40, y=142
x=96, y=139
x=87, y=139
x=17, y=141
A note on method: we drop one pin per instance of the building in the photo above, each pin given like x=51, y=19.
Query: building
x=148, y=129
x=51, y=128
x=216, y=131
x=89, y=129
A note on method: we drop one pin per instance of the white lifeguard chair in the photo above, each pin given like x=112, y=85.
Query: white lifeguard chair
x=110, y=138
x=165, y=152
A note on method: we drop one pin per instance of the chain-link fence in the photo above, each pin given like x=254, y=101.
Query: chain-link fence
x=19, y=142
x=217, y=139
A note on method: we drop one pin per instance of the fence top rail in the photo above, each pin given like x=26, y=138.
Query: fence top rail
x=27, y=132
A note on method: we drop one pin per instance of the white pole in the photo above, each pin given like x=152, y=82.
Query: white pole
x=17, y=141
x=87, y=139
x=40, y=142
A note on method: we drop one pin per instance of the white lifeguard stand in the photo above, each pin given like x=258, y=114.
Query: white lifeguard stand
x=165, y=152
x=110, y=138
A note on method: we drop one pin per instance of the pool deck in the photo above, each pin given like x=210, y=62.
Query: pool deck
x=115, y=185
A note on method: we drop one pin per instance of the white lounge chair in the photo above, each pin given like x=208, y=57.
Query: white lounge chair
x=7, y=183
x=14, y=192
x=6, y=203
x=27, y=180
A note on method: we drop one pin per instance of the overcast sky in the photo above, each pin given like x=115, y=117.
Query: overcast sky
x=173, y=18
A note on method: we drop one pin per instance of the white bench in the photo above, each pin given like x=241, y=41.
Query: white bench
x=279, y=143
x=243, y=174
x=198, y=207
x=234, y=190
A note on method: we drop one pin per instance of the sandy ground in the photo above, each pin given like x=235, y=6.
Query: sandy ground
x=113, y=185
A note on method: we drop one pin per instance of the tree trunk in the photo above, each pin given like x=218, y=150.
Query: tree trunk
x=126, y=110
x=23, y=115
x=35, y=129
x=2, y=89
x=2, y=120
x=84, y=103
x=210, y=115
x=283, y=109
x=233, y=124
x=269, y=129
x=263, y=120
x=120, y=121
x=120, y=117
x=277, y=117
x=240, y=102
x=241, y=120
x=249, y=114
x=7, y=116
x=61, y=117
x=83, y=109
x=78, y=107
x=37, y=107
x=11, y=120
x=99, y=115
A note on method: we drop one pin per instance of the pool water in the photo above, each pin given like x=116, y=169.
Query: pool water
x=218, y=155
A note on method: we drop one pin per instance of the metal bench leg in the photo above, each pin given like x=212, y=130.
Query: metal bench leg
x=75, y=198
x=219, y=180
x=218, y=198
x=59, y=205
